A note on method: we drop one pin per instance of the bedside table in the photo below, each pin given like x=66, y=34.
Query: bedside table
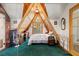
x=51, y=40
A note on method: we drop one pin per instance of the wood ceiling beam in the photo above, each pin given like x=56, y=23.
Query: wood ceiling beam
x=43, y=22
x=25, y=8
x=45, y=15
x=44, y=8
x=30, y=23
x=25, y=15
x=27, y=12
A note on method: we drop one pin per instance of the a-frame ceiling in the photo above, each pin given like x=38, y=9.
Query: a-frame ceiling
x=26, y=11
x=26, y=6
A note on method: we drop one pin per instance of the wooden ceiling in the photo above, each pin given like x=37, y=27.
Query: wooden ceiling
x=27, y=8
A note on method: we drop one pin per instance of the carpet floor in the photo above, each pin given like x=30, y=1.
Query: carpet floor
x=34, y=50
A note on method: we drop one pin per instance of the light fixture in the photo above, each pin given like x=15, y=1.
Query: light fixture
x=36, y=11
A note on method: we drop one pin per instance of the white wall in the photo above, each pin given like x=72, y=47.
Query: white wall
x=14, y=11
x=2, y=30
x=56, y=27
x=54, y=9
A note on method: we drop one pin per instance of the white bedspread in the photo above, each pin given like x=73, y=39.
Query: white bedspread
x=38, y=38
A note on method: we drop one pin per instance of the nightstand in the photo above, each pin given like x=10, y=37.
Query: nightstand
x=51, y=40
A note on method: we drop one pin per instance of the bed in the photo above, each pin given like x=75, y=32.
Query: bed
x=38, y=38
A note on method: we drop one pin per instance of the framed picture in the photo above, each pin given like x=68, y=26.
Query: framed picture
x=55, y=22
x=63, y=24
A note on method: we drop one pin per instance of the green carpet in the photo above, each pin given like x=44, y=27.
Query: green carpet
x=34, y=50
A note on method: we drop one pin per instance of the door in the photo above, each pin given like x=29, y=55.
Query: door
x=2, y=31
x=74, y=30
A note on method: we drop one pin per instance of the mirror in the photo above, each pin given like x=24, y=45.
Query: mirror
x=63, y=24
